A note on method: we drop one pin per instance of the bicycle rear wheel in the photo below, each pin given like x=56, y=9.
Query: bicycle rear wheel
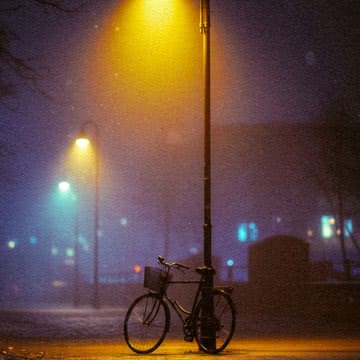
x=146, y=323
x=223, y=323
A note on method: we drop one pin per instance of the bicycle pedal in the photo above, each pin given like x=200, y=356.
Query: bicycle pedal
x=189, y=338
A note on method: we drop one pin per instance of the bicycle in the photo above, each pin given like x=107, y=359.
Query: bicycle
x=147, y=320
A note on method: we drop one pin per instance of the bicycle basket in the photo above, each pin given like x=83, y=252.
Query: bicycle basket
x=156, y=279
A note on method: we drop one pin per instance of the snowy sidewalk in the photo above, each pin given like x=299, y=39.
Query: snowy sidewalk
x=66, y=322
x=61, y=322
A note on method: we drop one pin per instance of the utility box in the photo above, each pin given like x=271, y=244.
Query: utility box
x=279, y=260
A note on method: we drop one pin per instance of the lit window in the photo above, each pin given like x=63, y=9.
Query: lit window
x=247, y=231
x=327, y=226
x=242, y=233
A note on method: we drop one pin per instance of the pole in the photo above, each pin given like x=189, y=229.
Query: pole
x=76, y=256
x=340, y=193
x=95, y=299
x=207, y=331
x=205, y=29
x=96, y=303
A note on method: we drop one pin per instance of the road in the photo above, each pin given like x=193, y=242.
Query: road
x=176, y=349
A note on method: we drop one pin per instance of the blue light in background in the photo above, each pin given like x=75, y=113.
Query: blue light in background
x=230, y=262
x=348, y=224
x=328, y=227
x=33, y=240
x=254, y=232
x=242, y=232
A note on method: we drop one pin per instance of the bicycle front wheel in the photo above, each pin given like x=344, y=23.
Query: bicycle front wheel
x=213, y=333
x=146, y=323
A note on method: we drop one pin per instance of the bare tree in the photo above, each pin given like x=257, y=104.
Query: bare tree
x=21, y=71
x=16, y=71
x=338, y=171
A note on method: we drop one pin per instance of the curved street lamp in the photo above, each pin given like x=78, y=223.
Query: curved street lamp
x=83, y=141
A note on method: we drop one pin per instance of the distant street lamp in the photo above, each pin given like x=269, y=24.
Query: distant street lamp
x=83, y=141
x=65, y=188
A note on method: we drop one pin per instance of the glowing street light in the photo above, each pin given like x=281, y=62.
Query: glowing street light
x=82, y=142
x=64, y=186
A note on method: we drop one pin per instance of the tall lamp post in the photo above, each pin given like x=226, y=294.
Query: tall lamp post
x=207, y=329
x=83, y=141
x=65, y=188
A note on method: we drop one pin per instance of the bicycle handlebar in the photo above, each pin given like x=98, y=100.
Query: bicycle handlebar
x=161, y=261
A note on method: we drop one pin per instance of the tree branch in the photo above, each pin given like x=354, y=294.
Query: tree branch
x=60, y=5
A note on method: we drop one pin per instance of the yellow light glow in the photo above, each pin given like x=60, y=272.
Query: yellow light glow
x=79, y=162
x=158, y=12
x=147, y=61
x=82, y=143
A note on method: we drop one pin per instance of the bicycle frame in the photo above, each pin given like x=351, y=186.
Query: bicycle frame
x=179, y=310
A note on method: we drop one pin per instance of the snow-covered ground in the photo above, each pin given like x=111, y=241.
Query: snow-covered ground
x=57, y=322
x=65, y=322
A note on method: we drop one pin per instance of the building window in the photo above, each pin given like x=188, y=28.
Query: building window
x=328, y=227
x=247, y=231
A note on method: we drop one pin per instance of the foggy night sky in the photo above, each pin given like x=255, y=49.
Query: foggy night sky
x=271, y=61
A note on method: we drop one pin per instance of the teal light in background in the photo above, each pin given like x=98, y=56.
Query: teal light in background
x=348, y=224
x=327, y=226
x=70, y=252
x=247, y=231
x=253, y=231
x=33, y=240
x=54, y=251
x=242, y=233
x=230, y=262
